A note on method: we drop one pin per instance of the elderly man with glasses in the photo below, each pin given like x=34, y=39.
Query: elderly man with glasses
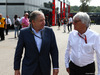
x=83, y=43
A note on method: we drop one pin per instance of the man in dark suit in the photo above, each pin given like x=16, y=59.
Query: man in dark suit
x=39, y=43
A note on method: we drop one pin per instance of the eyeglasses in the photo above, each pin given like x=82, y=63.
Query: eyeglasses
x=76, y=21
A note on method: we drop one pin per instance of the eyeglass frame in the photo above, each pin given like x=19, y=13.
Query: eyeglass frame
x=76, y=21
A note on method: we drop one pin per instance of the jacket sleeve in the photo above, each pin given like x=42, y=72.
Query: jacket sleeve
x=54, y=51
x=18, y=52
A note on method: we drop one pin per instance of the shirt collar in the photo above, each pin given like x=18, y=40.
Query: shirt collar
x=87, y=31
x=35, y=31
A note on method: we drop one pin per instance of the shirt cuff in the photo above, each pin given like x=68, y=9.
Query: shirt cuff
x=67, y=65
x=55, y=68
x=98, y=74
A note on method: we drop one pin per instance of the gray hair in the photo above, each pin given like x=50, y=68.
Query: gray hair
x=84, y=17
x=34, y=14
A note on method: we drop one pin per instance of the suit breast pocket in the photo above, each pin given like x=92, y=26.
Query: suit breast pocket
x=88, y=48
x=30, y=43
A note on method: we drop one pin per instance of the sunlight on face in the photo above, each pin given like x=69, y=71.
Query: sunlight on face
x=77, y=23
x=40, y=22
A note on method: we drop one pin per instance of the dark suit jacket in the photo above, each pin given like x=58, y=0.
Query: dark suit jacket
x=31, y=55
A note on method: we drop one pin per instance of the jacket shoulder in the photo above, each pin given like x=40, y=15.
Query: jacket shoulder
x=48, y=28
x=26, y=29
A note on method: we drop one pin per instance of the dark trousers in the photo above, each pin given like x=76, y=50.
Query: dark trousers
x=86, y=70
x=2, y=33
x=8, y=25
x=38, y=71
x=69, y=27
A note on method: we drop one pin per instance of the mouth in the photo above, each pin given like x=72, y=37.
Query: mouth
x=42, y=26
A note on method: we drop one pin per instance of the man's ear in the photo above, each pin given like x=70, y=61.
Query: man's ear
x=33, y=21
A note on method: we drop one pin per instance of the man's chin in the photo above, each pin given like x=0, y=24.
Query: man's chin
x=42, y=27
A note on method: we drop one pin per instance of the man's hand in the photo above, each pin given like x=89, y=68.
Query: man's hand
x=55, y=71
x=67, y=69
x=17, y=72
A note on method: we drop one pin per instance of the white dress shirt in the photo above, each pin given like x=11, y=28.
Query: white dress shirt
x=37, y=39
x=8, y=21
x=70, y=20
x=81, y=53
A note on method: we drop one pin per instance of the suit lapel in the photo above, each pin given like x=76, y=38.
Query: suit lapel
x=33, y=39
x=43, y=40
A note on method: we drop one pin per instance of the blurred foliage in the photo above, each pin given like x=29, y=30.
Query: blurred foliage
x=74, y=9
x=84, y=7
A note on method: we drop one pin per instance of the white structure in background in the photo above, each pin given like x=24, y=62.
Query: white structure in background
x=19, y=7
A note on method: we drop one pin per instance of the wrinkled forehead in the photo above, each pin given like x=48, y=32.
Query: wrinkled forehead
x=40, y=15
x=76, y=18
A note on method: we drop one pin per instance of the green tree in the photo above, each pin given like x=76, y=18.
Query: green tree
x=84, y=7
x=97, y=9
x=92, y=8
x=74, y=9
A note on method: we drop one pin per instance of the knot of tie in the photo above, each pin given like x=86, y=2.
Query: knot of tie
x=85, y=39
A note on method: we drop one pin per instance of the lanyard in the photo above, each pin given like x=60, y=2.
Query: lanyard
x=36, y=35
x=85, y=39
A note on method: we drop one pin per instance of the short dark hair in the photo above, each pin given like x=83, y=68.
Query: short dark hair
x=15, y=17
